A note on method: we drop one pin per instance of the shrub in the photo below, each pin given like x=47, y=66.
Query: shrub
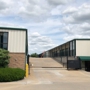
x=34, y=55
x=11, y=74
x=4, y=58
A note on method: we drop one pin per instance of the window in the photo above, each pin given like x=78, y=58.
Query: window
x=4, y=40
x=58, y=53
x=66, y=52
x=72, y=48
x=62, y=52
x=73, y=45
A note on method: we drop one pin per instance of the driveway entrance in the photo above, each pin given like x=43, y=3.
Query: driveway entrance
x=44, y=63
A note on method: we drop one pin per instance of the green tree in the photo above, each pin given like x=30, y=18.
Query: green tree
x=34, y=55
x=4, y=58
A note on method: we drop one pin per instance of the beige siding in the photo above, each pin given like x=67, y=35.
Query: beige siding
x=16, y=40
x=82, y=47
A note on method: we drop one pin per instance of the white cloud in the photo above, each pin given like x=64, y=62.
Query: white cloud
x=70, y=10
x=58, y=19
x=8, y=24
x=85, y=26
x=32, y=10
x=38, y=41
x=76, y=22
x=67, y=38
x=35, y=10
x=78, y=29
x=80, y=15
x=3, y=5
x=47, y=23
x=59, y=2
x=35, y=35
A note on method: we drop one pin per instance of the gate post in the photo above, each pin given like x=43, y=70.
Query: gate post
x=67, y=62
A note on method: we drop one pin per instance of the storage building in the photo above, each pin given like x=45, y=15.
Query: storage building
x=76, y=49
x=15, y=40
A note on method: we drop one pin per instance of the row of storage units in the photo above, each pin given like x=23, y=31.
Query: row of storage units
x=76, y=52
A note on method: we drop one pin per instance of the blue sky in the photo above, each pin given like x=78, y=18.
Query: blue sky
x=49, y=22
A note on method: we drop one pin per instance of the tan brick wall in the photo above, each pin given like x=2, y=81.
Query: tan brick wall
x=17, y=60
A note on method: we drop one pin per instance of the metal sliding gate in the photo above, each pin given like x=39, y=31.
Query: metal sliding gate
x=73, y=64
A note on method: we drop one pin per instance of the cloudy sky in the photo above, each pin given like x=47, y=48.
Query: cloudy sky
x=49, y=22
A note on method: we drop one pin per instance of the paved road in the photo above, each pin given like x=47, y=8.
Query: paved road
x=44, y=62
x=51, y=78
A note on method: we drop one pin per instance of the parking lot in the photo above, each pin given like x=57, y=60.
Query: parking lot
x=48, y=74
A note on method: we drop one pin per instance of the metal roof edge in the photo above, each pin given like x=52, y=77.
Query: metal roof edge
x=70, y=41
x=12, y=28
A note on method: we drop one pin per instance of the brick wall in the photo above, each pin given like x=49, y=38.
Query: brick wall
x=17, y=60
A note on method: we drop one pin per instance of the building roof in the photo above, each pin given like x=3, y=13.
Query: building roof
x=12, y=28
x=82, y=39
x=70, y=41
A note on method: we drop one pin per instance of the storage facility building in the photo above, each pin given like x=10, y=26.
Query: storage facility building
x=15, y=40
x=76, y=49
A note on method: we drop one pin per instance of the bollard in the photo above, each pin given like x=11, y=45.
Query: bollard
x=26, y=70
